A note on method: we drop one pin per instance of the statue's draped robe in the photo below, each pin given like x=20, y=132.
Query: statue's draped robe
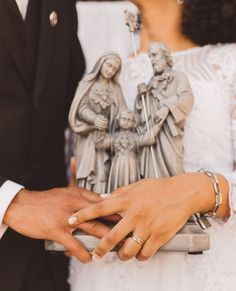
x=92, y=166
x=174, y=93
x=124, y=146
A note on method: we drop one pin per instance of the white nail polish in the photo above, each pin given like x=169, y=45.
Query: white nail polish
x=72, y=220
x=105, y=195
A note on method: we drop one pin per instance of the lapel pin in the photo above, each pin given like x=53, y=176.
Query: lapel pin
x=53, y=18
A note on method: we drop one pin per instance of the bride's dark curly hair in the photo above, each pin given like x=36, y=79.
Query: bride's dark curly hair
x=209, y=21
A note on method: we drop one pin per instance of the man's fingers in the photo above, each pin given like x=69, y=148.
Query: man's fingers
x=111, y=218
x=75, y=247
x=68, y=254
x=94, y=228
x=82, y=198
x=91, y=196
x=72, y=182
x=106, y=207
x=116, y=235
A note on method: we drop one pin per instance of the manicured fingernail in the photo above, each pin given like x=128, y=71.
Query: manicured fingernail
x=105, y=195
x=72, y=220
x=96, y=257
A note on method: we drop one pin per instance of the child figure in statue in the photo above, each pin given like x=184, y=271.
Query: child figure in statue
x=97, y=101
x=124, y=145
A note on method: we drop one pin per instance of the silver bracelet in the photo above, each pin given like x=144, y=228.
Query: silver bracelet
x=218, y=193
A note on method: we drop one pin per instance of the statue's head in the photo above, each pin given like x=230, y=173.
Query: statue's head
x=127, y=119
x=110, y=67
x=160, y=57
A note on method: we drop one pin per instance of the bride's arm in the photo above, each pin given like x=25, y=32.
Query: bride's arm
x=154, y=210
x=223, y=60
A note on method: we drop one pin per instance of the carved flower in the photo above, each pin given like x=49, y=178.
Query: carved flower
x=102, y=98
x=125, y=142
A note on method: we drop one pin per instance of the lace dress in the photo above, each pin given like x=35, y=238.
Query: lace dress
x=210, y=143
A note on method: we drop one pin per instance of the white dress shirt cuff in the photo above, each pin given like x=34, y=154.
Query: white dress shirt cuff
x=8, y=191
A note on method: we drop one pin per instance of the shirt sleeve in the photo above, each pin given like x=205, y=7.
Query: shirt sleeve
x=8, y=191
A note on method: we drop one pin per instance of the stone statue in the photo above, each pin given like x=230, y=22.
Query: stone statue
x=116, y=146
x=124, y=145
x=97, y=102
x=169, y=100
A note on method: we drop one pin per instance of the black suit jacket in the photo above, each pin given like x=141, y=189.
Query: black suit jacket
x=33, y=118
x=32, y=123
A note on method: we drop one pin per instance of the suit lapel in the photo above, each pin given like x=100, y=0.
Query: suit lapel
x=8, y=35
x=45, y=45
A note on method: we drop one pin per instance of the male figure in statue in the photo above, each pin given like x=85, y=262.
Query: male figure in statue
x=168, y=100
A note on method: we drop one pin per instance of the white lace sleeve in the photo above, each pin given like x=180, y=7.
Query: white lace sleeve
x=223, y=60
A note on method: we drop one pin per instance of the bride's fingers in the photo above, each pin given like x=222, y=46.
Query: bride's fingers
x=91, y=196
x=133, y=244
x=159, y=237
x=106, y=207
x=122, y=191
x=149, y=248
x=116, y=235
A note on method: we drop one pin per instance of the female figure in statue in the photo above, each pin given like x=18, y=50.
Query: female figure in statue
x=97, y=101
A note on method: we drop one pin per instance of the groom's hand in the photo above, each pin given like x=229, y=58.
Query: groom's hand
x=44, y=215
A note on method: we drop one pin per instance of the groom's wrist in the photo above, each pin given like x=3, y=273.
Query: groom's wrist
x=8, y=191
x=15, y=207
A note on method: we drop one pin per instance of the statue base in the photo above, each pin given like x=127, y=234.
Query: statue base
x=190, y=239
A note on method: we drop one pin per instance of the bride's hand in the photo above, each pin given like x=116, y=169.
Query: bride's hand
x=152, y=210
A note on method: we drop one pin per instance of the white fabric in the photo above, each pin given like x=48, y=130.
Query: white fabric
x=210, y=142
x=8, y=191
x=22, y=5
x=99, y=33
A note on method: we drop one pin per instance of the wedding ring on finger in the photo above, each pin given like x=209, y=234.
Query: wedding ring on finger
x=138, y=240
